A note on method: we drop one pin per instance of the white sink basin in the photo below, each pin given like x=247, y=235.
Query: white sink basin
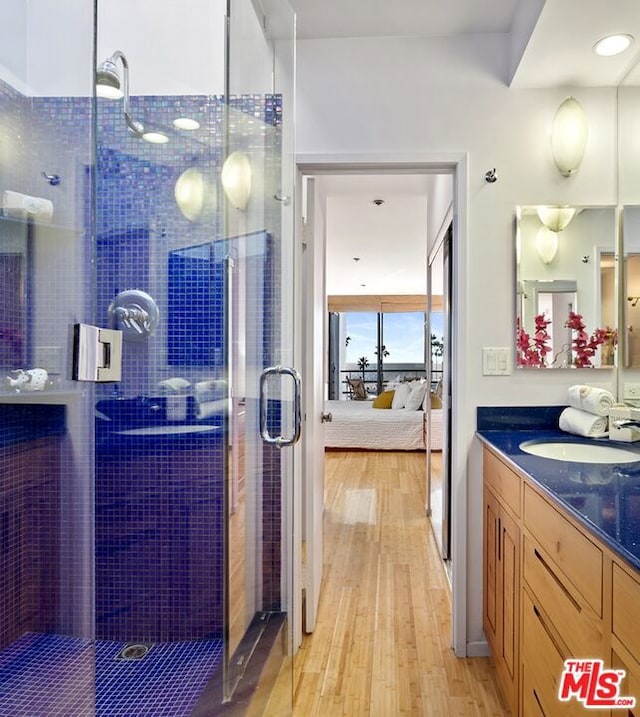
x=166, y=430
x=580, y=452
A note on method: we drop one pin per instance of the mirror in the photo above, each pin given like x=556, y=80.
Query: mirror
x=565, y=279
x=13, y=293
x=631, y=286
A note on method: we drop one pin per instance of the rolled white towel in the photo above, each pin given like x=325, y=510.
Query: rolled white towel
x=590, y=399
x=22, y=206
x=582, y=423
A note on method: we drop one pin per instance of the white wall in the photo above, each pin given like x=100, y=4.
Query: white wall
x=439, y=95
x=13, y=55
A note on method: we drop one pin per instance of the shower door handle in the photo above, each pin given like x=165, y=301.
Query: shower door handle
x=297, y=413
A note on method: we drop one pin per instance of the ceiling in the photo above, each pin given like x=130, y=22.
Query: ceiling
x=389, y=240
x=554, y=37
x=400, y=18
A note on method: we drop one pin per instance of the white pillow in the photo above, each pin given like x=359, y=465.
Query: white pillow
x=400, y=396
x=416, y=397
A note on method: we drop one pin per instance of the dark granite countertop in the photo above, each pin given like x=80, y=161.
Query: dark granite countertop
x=604, y=497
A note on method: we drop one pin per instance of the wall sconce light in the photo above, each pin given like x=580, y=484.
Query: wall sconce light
x=194, y=196
x=546, y=244
x=569, y=136
x=556, y=218
x=236, y=179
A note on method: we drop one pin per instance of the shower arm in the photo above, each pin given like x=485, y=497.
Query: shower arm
x=134, y=126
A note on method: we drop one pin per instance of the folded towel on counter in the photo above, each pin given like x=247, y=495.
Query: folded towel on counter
x=582, y=423
x=590, y=399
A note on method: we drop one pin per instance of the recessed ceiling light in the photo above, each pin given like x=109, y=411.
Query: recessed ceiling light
x=186, y=123
x=356, y=258
x=612, y=45
x=155, y=137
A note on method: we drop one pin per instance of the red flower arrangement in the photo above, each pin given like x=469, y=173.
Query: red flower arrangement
x=584, y=346
x=533, y=352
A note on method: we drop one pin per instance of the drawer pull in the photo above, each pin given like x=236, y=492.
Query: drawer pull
x=548, y=568
x=537, y=613
x=537, y=699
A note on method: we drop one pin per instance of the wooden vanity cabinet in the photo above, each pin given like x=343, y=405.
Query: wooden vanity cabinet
x=547, y=594
x=502, y=577
x=625, y=628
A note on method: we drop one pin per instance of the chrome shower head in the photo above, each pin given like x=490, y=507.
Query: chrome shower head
x=108, y=80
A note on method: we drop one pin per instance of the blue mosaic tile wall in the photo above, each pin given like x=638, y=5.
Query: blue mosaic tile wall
x=159, y=536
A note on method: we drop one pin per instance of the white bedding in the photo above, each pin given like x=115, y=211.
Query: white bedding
x=356, y=424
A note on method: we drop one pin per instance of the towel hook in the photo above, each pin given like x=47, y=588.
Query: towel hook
x=53, y=179
x=491, y=176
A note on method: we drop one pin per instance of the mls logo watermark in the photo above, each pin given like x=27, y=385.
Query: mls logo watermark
x=590, y=683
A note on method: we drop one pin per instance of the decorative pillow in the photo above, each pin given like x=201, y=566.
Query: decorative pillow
x=416, y=397
x=436, y=401
x=400, y=396
x=358, y=389
x=384, y=400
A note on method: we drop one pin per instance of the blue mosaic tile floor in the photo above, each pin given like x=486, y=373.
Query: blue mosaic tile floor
x=53, y=676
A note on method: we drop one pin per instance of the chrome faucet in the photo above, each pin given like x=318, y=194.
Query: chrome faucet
x=634, y=425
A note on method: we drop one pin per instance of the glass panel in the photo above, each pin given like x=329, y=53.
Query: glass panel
x=403, y=345
x=360, y=357
x=160, y=433
x=46, y=419
x=257, y=176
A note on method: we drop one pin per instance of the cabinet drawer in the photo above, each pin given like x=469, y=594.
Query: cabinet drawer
x=543, y=663
x=626, y=600
x=576, y=556
x=580, y=626
x=503, y=481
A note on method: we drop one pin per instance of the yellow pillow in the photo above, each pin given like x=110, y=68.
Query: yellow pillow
x=384, y=400
x=436, y=401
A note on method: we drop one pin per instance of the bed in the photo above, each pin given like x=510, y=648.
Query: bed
x=356, y=424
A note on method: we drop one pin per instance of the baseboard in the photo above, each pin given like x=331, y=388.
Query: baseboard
x=479, y=648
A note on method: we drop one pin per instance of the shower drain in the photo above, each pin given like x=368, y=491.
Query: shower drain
x=133, y=652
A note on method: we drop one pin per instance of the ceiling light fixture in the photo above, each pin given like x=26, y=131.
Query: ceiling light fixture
x=612, y=45
x=186, y=123
x=155, y=137
x=569, y=136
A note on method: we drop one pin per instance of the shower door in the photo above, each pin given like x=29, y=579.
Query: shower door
x=264, y=418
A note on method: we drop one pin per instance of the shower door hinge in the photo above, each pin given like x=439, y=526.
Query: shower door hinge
x=97, y=354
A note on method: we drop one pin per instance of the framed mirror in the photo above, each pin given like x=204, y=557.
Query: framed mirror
x=14, y=241
x=565, y=287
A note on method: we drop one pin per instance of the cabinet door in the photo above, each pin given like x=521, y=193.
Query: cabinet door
x=509, y=597
x=491, y=572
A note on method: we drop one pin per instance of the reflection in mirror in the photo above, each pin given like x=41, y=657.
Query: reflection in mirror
x=13, y=293
x=565, y=279
x=631, y=291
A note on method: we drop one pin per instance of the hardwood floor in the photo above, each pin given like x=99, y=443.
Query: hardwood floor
x=381, y=643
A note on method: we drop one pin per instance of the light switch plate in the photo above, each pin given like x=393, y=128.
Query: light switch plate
x=496, y=361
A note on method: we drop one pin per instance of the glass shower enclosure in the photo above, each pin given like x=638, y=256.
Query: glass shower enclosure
x=147, y=402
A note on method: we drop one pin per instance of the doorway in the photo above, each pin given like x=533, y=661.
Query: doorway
x=455, y=172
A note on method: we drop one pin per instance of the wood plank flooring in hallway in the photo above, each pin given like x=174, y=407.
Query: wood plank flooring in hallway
x=381, y=646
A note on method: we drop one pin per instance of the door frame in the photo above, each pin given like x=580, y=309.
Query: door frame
x=456, y=164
